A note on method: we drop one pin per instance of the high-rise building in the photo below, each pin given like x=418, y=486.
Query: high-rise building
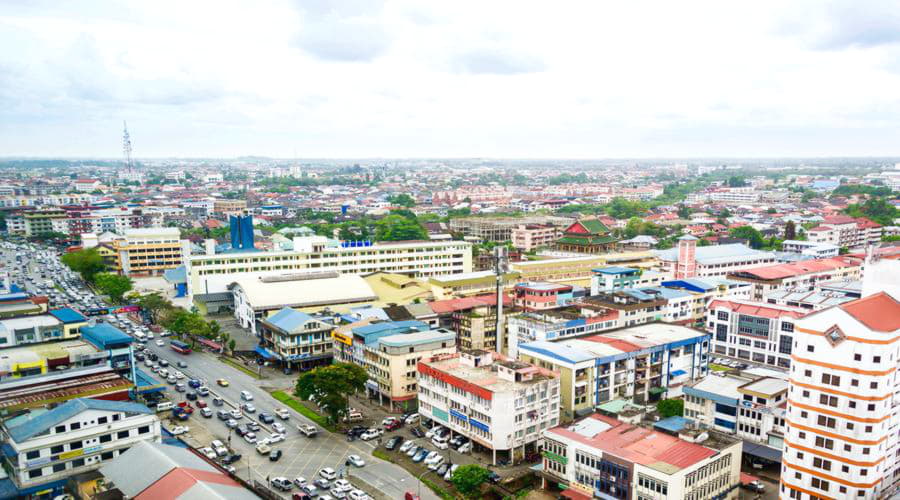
x=841, y=439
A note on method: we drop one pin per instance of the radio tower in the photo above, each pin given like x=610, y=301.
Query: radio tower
x=126, y=148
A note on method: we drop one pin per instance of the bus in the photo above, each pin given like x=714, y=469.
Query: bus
x=180, y=347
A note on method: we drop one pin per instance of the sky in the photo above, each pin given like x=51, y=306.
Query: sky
x=414, y=78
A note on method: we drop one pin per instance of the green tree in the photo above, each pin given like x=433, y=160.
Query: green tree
x=736, y=181
x=115, y=286
x=403, y=200
x=154, y=304
x=670, y=408
x=790, y=230
x=620, y=208
x=88, y=263
x=684, y=212
x=399, y=228
x=231, y=344
x=750, y=234
x=468, y=480
x=331, y=386
x=50, y=236
x=185, y=323
x=877, y=209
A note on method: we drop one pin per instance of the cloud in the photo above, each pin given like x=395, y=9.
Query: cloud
x=343, y=31
x=846, y=25
x=494, y=61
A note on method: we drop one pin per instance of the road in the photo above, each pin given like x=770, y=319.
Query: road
x=303, y=457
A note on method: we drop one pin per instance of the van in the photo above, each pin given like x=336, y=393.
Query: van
x=164, y=406
x=440, y=441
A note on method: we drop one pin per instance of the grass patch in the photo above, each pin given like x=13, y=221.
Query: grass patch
x=300, y=408
x=438, y=490
x=718, y=368
x=240, y=367
x=379, y=453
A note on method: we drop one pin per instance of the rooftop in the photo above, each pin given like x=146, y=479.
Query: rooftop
x=879, y=312
x=758, y=309
x=768, y=386
x=320, y=291
x=781, y=271
x=23, y=429
x=418, y=338
x=103, y=335
x=717, y=254
x=68, y=315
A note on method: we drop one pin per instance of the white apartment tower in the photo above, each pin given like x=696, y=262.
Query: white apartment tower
x=842, y=418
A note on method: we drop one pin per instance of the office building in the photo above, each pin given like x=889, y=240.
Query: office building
x=529, y=237
x=841, y=438
x=812, y=249
x=753, y=331
x=607, y=279
x=392, y=360
x=845, y=231
x=149, y=251
x=502, y=405
x=797, y=276
x=540, y=296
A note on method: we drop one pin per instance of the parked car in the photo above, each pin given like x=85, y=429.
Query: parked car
x=371, y=434
x=281, y=483
x=275, y=455
x=327, y=473
x=413, y=450
x=417, y=432
x=263, y=448
x=356, y=460
x=342, y=485
x=322, y=483
x=393, y=443
x=420, y=455
x=230, y=459
x=250, y=437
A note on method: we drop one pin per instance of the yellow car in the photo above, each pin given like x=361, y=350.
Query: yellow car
x=222, y=382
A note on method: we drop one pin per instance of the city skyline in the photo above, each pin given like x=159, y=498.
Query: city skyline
x=405, y=80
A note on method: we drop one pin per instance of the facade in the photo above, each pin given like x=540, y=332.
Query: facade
x=150, y=251
x=610, y=278
x=798, y=276
x=392, y=363
x=295, y=339
x=578, y=269
x=753, y=331
x=49, y=200
x=537, y=296
x=639, y=364
x=586, y=236
x=34, y=223
x=350, y=341
x=47, y=447
x=229, y=207
x=34, y=329
x=213, y=273
x=817, y=250
x=109, y=220
x=841, y=440
x=500, y=404
x=711, y=261
x=578, y=319
x=601, y=457
x=845, y=231
x=528, y=237
x=500, y=229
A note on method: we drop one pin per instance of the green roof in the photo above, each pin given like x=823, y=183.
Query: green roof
x=614, y=406
x=594, y=226
x=587, y=240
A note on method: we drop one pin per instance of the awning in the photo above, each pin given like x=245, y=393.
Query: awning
x=573, y=494
x=262, y=351
x=676, y=373
x=762, y=451
x=658, y=390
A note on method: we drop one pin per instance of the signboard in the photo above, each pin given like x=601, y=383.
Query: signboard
x=38, y=461
x=112, y=310
x=71, y=454
x=340, y=337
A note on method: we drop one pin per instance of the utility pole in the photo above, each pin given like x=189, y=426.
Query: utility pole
x=501, y=267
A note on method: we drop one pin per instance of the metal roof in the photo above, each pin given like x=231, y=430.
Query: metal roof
x=68, y=315
x=288, y=319
x=25, y=429
x=715, y=254
x=104, y=334
x=417, y=338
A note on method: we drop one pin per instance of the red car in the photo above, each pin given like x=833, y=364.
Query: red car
x=186, y=407
x=392, y=425
x=201, y=403
x=410, y=496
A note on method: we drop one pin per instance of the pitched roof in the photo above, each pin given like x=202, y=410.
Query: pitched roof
x=24, y=429
x=288, y=319
x=880, y=312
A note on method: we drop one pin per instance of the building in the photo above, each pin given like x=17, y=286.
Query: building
x=529, y=237
x=817, y=250
x=212, y=273
x=149, y=251
x=35, y=222
x=34, y=329
x=688, y=260
x=500, y=229
x=170, y=472
x=257, y=298
x=601, y=457
x=639, y=364
x=87, y=185
x=611, y=278
x=448, y=286
x=117, y=220
x=845, y=231
x=797, y=276
x=213, y=177
x=540, y=296
x=295, y=339
x=750, y=407
x=77, y=372
x=229, y=207
x=841, y=440
x=586, y=236
x=43, y=448
x=579, y=270
x=753, y=331
x=575, y=320
x=392, y=360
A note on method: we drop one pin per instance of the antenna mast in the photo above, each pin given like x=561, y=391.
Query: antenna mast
x=126, y=148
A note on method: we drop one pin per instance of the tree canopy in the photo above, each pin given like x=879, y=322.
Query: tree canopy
x=154, y=304
x=331, y=385
x=88, y=263
x=877, y=209
x=750, y=234
x=468, y=479
x=670, y=408
x=115, y=286
x=398, y=228
x=403, y=200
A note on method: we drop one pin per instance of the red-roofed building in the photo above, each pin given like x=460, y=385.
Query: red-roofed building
x=753, y=331
x=798, y=276
x=842, y=386
x=845, y=231
x=607, y=458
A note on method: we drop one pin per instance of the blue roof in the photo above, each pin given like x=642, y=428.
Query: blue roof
x=262, y=351
x=373, y=332
x=27, y=428
x=7, y=297
x=104, y=335
x=146, y=383
x=691, y=284
x=666, y=293
x=671, y=424
x=288, y=319
x=68, y=315
x=615, y=270
x=176, y=276
x=561, y=352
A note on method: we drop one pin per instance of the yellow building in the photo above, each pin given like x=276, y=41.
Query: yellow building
x=149, y=251
x=579, y=270
x=449, y=286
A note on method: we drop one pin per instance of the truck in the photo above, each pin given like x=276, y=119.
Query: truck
x=307, y=430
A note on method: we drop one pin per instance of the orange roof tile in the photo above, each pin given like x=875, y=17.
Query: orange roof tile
x=880, y=312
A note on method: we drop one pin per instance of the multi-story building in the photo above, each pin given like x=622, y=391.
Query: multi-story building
x=212, y=273
x=109, y=220
x=500, y=229
x=797, y=276
x=753, y=331
x=34, y=329
x=540, y=296
x=601, y=457
x=35, y=222
x=590, y=236
x=845, y=231
x=502, y=405
x=611, y=278
x=150, y=251
x=579, y=269
x=351, y=340
x=817, y=250
x=295, y=339
x=841, y=439
x=392, y=361
x=42, y=449
x=528, y=237
x=49, y=200
x=229, y=207
x=640, y=364
x=575, y=320
x=689, y=261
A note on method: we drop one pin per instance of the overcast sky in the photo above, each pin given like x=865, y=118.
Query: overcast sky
x=593, y=79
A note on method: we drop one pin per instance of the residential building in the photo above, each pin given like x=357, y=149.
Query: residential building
x=611, y=278
x=350, y=340
x=586, y=236
x=529, y=237
x=295, y=339
x=797, y=276
x=579, y=270
x=640, y=364
x=500, y=229
x=114, y=220
x=845, y=231
x=87, y=185
x=841, y=440
x=688, y=260
x=601, y=457
x=502, y=405
x=45, y=447
x=35, y=222
x=753, y=331
x=447, y=286
x=817, y=250
x=812, y=300
x=213, y=273
x=33, y=329
x=76, y=371
x=540, y=296
x=392, y=360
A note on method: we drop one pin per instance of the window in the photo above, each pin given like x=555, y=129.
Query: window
x=854, y=382
x=106, y=438
x=831, y=379
x=722, y=315
x=857, y=357
x=59, y=467
x=824, y=443
x=787, y=327
x=784, y=344
x=143, y=429
x=60, y=429
x=828, y=400
x=35, y=473
x=122, y=434
x=74, y=426
x=871, y=406
x=810, y=348
x=819, y=483
x=33, y=454
x=876, y=359
x=826, y=421
x=78, y=463
x=807, y=373
x=102, y=420
x=56, y=449
x=873, y=385
x=76, y=445
x=820, y=463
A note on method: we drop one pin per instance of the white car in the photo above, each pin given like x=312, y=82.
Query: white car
x=274, y=438
x=219, y=448
x=179, y=375
x=356, y=460
x=209, y=453
x=279, y=428
x=357, y=495
x=250, y=437
x=327, y=473
x=431, y=457
x=300, y=481
x=246, y=396
x=282, y=413
x=149, y=335
x=407, y=445
x=371, y=434
x=434, y=430
x=181, y=429
x=160, y=343
x=342, y=485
